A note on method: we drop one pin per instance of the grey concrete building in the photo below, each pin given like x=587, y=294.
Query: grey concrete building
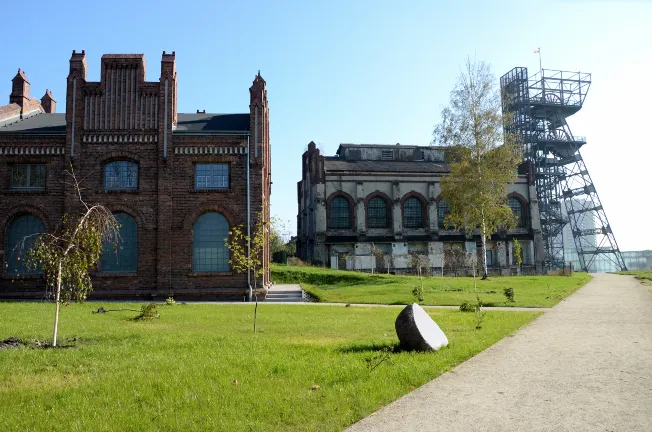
x=379, y=206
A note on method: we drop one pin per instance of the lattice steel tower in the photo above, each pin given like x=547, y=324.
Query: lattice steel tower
x=536, y=108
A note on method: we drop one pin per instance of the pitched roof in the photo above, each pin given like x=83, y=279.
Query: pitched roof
x=340, y=165
x=206, y=123
x=37, y=124
x=187, y=123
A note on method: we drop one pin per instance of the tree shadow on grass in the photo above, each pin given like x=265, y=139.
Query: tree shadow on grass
x=371, y=347
x=16, y=342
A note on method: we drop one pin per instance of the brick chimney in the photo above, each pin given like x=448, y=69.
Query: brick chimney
x=48, y=103
x=19, y=89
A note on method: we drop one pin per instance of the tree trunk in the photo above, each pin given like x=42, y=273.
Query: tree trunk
x=56, y=314
x=256, y=297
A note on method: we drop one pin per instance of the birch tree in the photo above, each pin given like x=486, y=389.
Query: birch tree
x=66, y=256
x=484, y=158
x=247, y=253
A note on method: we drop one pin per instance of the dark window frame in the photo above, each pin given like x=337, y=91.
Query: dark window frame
x=339, y=221
x=123, y=174
x=207, y=175
x=212, y=238
x=415, y=219
x=111, y=264
x=517, y=208
x=443, y=210
x=28, y=176
x=376, y=213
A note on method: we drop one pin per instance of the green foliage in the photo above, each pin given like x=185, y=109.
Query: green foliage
x=177, y=373
x=509, y=293
x=147, y=311
x=417, y=293
x=518, y=252
x=467, y=307
x=485, y=158
x=247, y=252
x=340, y=286
x=170, y=301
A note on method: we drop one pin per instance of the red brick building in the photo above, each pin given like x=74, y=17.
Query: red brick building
x=176, y=182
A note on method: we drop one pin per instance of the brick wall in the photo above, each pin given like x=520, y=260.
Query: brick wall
x=125, y=118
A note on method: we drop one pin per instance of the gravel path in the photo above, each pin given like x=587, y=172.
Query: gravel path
x=586, y=365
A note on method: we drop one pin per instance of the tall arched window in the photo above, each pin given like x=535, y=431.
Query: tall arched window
x=517, y=208
x=121, y=175
x=413, y=213
x=124, y=258
x=443, y=210
x=20, y=238
x=209, y=251
x=377, y=213
x=340, y=213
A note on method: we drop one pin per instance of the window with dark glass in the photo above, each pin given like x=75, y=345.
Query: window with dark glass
x=21, y=235
x=121, y=175
x=209, y=251
x=517, y=208
x=212, y=176
x=123, y=257
x=340, y=213
x=443, y=210
x=377, y=213
x=28, y=176
x=490, y=258
x=412, y=213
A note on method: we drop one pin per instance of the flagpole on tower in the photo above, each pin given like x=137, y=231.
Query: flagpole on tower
x=538, y=51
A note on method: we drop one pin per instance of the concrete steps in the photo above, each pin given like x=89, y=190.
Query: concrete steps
x=285, y=294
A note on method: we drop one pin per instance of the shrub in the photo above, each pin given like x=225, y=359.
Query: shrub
x=147, y=311
x=417, y=293
x=467, y=307
x=509, y=293
x=170, y=301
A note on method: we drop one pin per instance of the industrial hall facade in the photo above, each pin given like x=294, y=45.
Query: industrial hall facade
x=177, y=183
x=379, y=207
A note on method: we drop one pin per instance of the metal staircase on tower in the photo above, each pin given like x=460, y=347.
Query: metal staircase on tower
x=536, y=108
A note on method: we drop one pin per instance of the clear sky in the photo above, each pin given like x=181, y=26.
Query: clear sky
x=358, y=71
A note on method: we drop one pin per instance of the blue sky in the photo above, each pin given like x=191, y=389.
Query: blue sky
x=366, y=71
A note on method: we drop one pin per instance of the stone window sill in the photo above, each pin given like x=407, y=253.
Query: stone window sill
x=21, y=276
x=110, y=275
x=121, y=191
x=28, y=191
x=210, y=190
x=204, y=274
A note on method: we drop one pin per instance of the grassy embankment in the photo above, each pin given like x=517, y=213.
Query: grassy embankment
x=200, y=367
x=340, y=286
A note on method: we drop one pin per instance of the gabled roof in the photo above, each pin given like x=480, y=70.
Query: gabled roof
x=207, y=123
x=187, y=124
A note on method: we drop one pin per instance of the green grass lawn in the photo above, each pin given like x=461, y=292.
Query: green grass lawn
x=340, y=286
x=644, y=276
x=178, y=372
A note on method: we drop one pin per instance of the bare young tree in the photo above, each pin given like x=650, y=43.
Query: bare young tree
x=66, y=256
x=485, y=159
x=247, y=253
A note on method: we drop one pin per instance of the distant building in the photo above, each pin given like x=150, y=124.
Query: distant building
x=379, y=206
x=176, y=182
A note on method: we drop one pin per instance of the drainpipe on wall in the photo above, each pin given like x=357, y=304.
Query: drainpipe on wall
x=248, y=216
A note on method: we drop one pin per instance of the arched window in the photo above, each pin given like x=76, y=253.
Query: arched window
x=121, y=175
x=124, y=258
x=20, y=238
x=209, y=251
x=443, y=210
x=412, y=213
x=377, y=213
x=340, y=213
x=517, y=208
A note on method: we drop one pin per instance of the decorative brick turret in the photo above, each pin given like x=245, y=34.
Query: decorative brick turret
x=19, y=90
x=48, y=103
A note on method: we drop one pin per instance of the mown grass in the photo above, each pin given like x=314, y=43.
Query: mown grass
x=178, y=372
x=644, y=276
x=340, y=286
